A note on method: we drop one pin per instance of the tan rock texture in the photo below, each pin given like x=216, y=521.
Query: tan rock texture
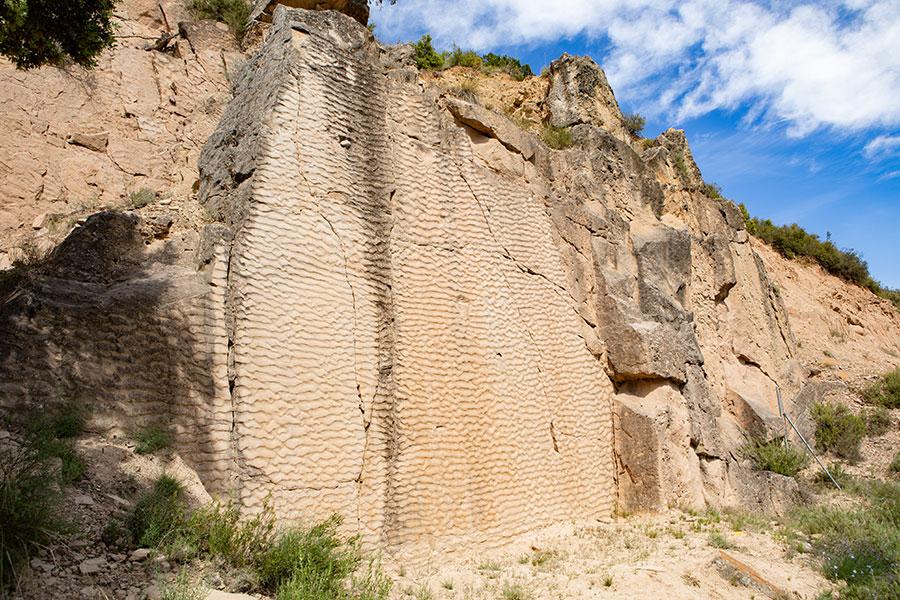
x=398, y=305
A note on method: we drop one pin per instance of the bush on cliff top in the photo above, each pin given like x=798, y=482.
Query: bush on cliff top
x=34, y=33
x=792, y=241
x=429, y=59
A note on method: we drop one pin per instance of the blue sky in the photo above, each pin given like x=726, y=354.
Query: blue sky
x=792, y=107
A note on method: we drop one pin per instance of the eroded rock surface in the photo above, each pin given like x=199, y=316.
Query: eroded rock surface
x=400, y=306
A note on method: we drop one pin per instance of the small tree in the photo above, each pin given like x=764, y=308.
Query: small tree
x=426, y=56
x=635, y=123
x=34, y=33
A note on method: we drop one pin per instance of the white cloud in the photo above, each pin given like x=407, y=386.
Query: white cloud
x=882, y=146
x=803, y=62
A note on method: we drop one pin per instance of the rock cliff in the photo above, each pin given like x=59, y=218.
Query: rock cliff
x=399, y=305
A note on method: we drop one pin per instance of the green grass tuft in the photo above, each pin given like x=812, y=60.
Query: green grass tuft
x=894, y=467
x=557, y=138
x=234, y=13
x=150, y=438
x=878, y=420
x=838, y=430
x=158, y=513
x=718, y=540
x=776, y=456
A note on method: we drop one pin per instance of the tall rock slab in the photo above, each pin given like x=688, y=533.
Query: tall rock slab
x=403, y=347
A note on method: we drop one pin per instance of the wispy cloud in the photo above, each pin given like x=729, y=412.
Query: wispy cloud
x=882, y=147
x=807, y=64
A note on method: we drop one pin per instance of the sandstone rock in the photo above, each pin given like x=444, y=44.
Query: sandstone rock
x=579, y=93
x=493, y=125
x=39, y=221
x=92, y=141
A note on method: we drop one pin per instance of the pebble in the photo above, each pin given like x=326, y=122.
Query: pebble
x=139, y=554
x=83, y=500
x=91, y=566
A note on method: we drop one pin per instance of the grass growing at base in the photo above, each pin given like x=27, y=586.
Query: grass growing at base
x=860, y=546
x=30, y=483
x=291, y=564
x=837, y=429
x=150, y=438
x=776, y=456
x=878, y=421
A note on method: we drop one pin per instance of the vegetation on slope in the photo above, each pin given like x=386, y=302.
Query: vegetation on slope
x=792, y=241
x=289, y=564
x=233, y=13
x=31, y=475
x=429, y=59
x=34, y=33
x=859, y=546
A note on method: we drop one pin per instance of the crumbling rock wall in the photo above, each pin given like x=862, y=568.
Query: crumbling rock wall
x=410, y=311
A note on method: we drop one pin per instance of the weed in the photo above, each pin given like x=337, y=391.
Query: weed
x=837, y=472
x=182, y=588
x=828, y=353
x=652, y=534
x=690, y=580
x=141, y=197
x=718, y=540
x=423, y=592
x=467, y=90
x=234, y=13
x=878, y=421
x=217, y=531
x=426, y=57
x=678, y=534
x=447, y=585
x=894, y=467
x=712, y=190
x=741, y=520
x=115, y=534
x=776, y=456
x=680, y=165
x=556, y=137
x=837, y=429
x=158, y=513
x=635, y=123
x=514, y=591
x=540, y=558
x=886, y=391
x=150, y=438
x=607, y=581
x=29, y=501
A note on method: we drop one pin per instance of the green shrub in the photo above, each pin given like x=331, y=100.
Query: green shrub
x=217, y=531
x=894, y=467
x=159, y=513
x=718, y=540
x=681, y=168
x=142, y=197
x=234, y=13
x=886, y=391
x=712, y=190
x=427, y=58
x=556, y=137
x=776, y=456
x=312, y=557
x=878, y=420
x=635, y=124
x=51, y=436
x=458, y=57
x=29, y=507
x=34, y=33
x=508, y=65
x=838, y=430
x=150, y=438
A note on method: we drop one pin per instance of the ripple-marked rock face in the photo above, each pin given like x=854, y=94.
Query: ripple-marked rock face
x=408, y=310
